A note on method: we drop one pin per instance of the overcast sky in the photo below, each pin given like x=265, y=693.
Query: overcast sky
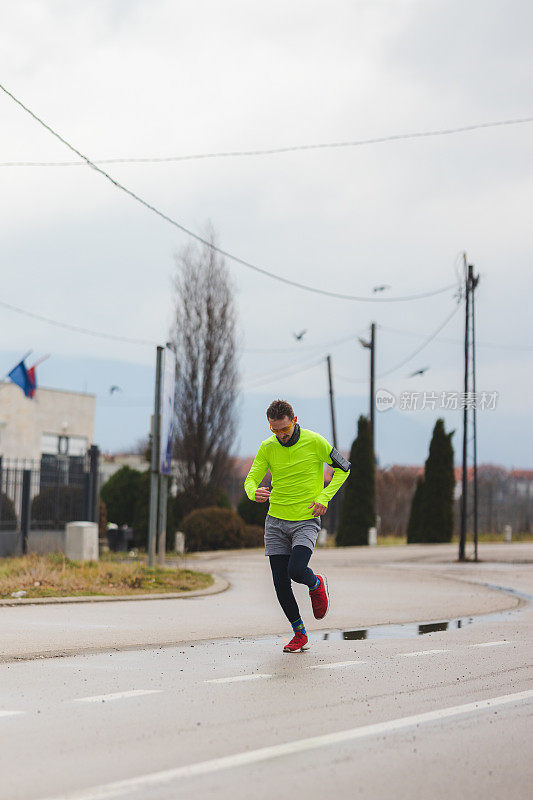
x=164, y=78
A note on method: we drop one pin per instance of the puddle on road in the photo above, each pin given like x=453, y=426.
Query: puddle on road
x=410, y=630
x=407, y=630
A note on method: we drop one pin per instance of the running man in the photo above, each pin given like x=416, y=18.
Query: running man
x=295, y=458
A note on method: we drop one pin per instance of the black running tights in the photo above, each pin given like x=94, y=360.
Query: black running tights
x=287, y=568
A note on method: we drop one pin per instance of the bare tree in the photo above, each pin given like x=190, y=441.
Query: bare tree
x=395, y=487
x=207, y=375
x=143, y=447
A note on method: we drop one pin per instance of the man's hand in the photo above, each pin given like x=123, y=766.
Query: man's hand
x=262, y=494
x=318, y=509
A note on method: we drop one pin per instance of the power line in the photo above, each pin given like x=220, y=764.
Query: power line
x=350, y=380
x=211, y=245
x=102, y=335
x=272, y=150
x=428, y=339
x=277, y=376
x=422, y=346
x=326, y=346
x=284, y=367
x=386, y=328
x=297, y=348
x=76, y=328
x=449, y=340
x=289, y=369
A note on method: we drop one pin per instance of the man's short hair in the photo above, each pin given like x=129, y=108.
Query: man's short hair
x=279, y=409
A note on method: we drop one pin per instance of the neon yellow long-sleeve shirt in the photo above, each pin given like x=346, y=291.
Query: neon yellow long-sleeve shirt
x=297, y=475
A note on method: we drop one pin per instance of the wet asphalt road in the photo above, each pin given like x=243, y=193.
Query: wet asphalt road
x=374, y=718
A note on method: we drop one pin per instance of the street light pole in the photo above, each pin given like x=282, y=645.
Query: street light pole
x=333, y=503
x=154, y=474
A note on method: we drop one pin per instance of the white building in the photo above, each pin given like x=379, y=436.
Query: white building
x=112, y=462
x=52, y=423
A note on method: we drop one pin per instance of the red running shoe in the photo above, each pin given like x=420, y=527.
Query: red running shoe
x=298, y=642
x=320, y=598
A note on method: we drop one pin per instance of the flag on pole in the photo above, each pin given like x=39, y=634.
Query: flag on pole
x=33, y=379
x=24, y=378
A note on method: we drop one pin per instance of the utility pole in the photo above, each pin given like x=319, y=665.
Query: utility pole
x=371, y=345
x=154, y=475
x=332, y=403
x=471, y=282
x=475, y=281
x=372, y=382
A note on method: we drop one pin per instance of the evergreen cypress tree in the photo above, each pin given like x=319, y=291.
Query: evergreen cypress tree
x=439, y=484
x=358, y=509
x=431, y=517
x=414, y=526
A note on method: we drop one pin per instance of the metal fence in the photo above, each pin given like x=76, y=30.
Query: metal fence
x=46, y=494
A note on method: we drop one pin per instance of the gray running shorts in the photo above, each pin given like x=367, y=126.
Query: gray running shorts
x=281, y=535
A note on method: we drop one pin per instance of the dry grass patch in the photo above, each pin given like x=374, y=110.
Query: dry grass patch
x=54, y=575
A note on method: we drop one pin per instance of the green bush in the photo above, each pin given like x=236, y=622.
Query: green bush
x=221, y=499
x=252, y=513
x=57, y=504
x=8, y=515
x=127, y=497
x=141, y=515
x=120, y=494
x=213, y=529
x=141, y=511
x=254, y=536
x=191, y=500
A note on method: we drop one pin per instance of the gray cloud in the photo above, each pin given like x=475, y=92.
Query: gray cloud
x=137, y=79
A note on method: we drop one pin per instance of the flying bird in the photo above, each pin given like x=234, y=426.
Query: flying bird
x=299, y=336
x=418, y=372
x=113, y=389
x=381, y=288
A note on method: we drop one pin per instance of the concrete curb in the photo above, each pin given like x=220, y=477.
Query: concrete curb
x=219, y=585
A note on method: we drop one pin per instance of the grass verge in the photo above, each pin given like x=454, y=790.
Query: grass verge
x=54, y=575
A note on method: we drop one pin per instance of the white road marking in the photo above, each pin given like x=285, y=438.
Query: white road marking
x=10, y=713
x=130, y=785
x=236, y=678
x=99, y=698
x=421, y=653
x=335, y=664
x=490, y=644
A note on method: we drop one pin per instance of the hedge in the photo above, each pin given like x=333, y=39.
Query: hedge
x=252, y=513
x=254, y=536
x=213, y=529
x=8, y=515
x=57, y=504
